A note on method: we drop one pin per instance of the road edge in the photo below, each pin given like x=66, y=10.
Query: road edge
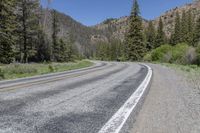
x=118, y=120
x=95, y=65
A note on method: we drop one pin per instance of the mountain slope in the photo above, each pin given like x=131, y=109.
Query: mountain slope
x=168, y=17
x=86, y=37
x=82, y=35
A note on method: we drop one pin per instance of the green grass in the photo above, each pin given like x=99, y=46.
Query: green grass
x=192, y=72
x=14, y=71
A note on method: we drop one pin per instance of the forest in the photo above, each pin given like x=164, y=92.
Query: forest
x=23, y=38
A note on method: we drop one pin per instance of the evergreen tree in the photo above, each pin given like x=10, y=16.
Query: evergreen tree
x=197, y=32
x=63, y=51
x=7, y=27
x=43, y=44
x=55, y=43
x=135, y=41
x=190, y=29
x=73, y=51
x=27, y=11
x=119, y=49
x=176, y=35
x=150, y=36
x=160, y=36
x=43, y=47
x=69, y=50
x=184, y=27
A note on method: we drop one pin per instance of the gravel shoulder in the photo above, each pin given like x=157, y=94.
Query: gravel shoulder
x=172, y=105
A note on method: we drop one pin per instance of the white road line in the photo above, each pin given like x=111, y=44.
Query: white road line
x=117, y=121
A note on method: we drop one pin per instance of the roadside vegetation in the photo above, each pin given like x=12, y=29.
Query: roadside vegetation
x=189, y=69
x=191, y=72
x=25, y=47
x=178, y=54
x=182, y=46
x=23, y=39
x=13, y=71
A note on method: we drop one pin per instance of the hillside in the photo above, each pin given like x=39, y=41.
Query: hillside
x=169, y=16
x=86, y=37
x=168, y=20
x=82, y=35
x=120, y=26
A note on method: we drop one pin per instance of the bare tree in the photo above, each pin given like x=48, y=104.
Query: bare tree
x=46, y=13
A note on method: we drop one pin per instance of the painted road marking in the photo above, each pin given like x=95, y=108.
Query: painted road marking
x=51, y=79
x=117, y=121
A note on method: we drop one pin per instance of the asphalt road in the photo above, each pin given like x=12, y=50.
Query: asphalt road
x=79, y=101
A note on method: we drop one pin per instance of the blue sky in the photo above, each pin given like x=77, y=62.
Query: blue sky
x=91, y=12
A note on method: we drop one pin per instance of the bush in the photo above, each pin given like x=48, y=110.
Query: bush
x=198, y=55
x=159, y=53
x=179, y=54
x=1, y=74
x=51, y=68
x=190, y=56
x=122, y=58
x=147, y=57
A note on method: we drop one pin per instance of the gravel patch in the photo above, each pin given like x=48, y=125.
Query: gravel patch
x=172, y=105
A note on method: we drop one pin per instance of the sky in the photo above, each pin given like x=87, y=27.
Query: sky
x=91, y=12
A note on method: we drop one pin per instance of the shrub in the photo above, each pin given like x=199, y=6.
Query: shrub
x=122, y=58
x=190, y=56
x=1, y=74
x=159, y=53
x=179, y=54
x=147, y=57
x=198, y=55
x=51, y=68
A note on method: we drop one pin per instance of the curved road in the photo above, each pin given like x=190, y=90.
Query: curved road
x=79, y=101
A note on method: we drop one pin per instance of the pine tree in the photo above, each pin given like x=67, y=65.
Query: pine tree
x=190, y=29
x=43, y=47
x=7, y=27
x=150, y=36
x=113, y=50
x=135, y=41
x=43, y=44
x=69, y=50
x=184, y=27
x=63, y=49
x=72, y=52
x=197, y=32
x=27, y=11
x=55, y=43
x=160, y=36
x=176, y=35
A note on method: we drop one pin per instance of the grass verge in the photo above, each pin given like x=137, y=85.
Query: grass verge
x=191, y=72
x=13, y=71
x=188, y=69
